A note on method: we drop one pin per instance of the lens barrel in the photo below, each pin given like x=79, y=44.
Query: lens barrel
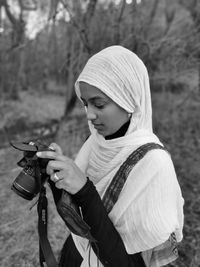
x=25, y=186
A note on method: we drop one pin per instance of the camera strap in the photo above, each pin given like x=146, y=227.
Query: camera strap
x=45, y=250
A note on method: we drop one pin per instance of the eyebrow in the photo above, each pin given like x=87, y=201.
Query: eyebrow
x=93, y=98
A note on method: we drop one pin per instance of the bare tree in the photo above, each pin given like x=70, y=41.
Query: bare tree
x=16, y=52
x=78, y=56
x=193, y=7
x=118, y=19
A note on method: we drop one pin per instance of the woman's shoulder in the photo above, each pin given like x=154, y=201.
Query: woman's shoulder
x=159, y=157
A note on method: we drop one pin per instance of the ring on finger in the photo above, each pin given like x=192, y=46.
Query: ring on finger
x=56, y=178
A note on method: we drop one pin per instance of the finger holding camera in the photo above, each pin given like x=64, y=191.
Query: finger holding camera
x=56, y=148
x=67, y=174
x=51, y=155
x=64, y=172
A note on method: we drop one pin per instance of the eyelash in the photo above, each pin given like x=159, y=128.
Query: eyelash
x=96, y=106
x=99, y=106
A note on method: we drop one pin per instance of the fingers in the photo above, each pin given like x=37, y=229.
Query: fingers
x=62, y=180
x=50, y=155
x=56, y=177
x=57, y=161
x=49, y=170
x=66, y=177
x=56, y=165
x=56, y=148
x=59, y=184
x=61, y=163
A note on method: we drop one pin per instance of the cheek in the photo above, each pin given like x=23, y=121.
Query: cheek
x=115, y=118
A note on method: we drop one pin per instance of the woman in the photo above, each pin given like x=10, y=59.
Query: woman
x=147, y=219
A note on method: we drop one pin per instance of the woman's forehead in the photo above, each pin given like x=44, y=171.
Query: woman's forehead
x=89, y=91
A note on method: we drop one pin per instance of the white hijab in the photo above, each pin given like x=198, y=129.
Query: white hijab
x=123, y=77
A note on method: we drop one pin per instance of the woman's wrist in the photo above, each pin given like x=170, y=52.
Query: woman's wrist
x=80, y=196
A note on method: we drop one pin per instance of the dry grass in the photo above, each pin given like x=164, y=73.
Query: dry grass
x=178, y=125
x=32, y=107
x=18, y=225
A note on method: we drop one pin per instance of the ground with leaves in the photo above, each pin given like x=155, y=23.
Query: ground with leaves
x=177, y=122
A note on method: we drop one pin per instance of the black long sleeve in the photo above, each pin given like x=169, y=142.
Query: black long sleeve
x=111, y=250
x=57, y=193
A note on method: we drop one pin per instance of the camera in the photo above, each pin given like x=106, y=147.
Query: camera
x=30, y=182
x=33, y=176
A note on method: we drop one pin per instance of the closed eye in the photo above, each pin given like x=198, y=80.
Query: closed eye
x=99, y=106
x=95, y=102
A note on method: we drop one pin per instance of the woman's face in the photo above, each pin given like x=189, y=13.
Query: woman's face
x=105, y=115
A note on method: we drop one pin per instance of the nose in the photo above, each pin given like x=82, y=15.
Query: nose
x=91, y=115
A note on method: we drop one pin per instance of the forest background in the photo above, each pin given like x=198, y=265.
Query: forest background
x=43, y=47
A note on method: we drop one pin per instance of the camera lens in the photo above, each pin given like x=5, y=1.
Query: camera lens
x=25, y=185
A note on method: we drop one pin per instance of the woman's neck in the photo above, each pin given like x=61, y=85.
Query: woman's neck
x=119, y=133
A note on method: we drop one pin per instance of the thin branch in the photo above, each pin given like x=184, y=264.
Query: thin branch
x=10, y=16
x=153, y=12
x=151, y=16
x=118, y=21
x=53, y=9
x=81, y=31
x=25, y=6
x=90, y=11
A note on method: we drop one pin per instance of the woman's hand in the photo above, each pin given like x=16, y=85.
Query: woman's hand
x=62, y=170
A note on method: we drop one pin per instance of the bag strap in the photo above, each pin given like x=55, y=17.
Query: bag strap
x=112, y=193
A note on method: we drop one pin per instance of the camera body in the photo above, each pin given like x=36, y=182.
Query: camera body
x=33, y=176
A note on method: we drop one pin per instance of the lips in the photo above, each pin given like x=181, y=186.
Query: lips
x=97, y=126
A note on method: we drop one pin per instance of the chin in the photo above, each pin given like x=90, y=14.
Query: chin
x=102, y=132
